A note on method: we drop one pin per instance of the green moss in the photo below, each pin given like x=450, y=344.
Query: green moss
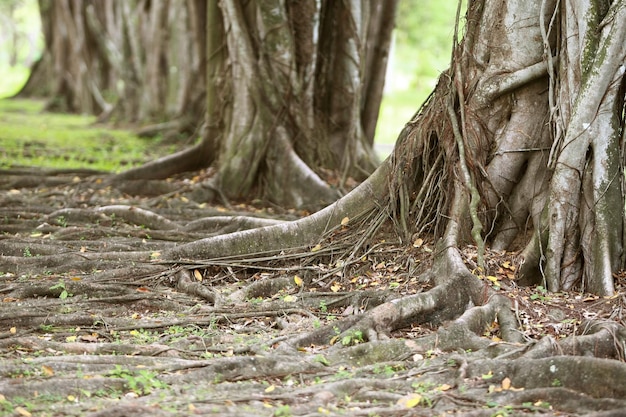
x=30, y=137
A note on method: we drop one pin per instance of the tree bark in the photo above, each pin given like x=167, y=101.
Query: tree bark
x=291, y=89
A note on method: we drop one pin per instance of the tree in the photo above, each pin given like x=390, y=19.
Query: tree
x=519, y=145
x=519, y=148
x=292, y=87
x=128, y=61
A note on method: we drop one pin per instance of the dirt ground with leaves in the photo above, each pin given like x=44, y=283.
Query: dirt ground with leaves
x=93, y=322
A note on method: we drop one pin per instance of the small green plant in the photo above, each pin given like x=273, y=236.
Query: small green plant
x=352, y=338
x=27, y=253
x=283, y=411
x=323, y=307
x=141, y=382
x=541, y=294
x=62, y=221
x=386, y=370
x=46, y=327
x=64, y=293
x=321, y=359
x=556, y=382
x=143, y=336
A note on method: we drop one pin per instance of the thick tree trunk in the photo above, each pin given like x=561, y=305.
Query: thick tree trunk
x=291, y=89
x=532, y=138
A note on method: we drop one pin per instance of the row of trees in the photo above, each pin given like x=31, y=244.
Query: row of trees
x=282, y=89
x=520, y=146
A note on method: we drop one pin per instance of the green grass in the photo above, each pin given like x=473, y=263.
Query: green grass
x=30, y=137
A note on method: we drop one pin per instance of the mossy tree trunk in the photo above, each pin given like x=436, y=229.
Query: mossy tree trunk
x=525, y=135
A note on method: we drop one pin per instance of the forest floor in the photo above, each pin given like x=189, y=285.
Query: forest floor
x=94, y=322
x=108, y=336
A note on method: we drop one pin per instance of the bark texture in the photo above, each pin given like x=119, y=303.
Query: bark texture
x=526, y=139
x=293, y=89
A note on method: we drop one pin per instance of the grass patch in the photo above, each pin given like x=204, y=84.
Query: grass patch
x=30, y=137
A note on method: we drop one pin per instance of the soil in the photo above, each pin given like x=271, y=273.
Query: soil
x=93, y=322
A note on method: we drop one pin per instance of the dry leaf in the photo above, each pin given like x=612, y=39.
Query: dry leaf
x=298, y=280
x=335, y=287
x=345, y=221
x=289, y=299
x=22, y=411
x=47, y=371
x=316, y=248
x=418, y=242
x=270, y=388
x=506, y=384
x=410, y=400
x=13, y=330
x=197, y=274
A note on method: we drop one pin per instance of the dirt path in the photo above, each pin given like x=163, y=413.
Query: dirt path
x=93, y=322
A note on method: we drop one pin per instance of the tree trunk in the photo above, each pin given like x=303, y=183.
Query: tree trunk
x=292, y=88
x=531, y=141
x=519, y=148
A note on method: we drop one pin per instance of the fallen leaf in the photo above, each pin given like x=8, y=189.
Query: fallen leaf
x=13, y=330
x=91, y=338
x=298, y=280
x=197, y=274
x=47, y=371
x=487, y=375
x=316, y=248
x=345, y=221
x=289, y=299
x=506, y=384
x=22, y=411
x=418, y=242
x=71, y=398
x=335, y=287
x=410, y=400
x=270, y=388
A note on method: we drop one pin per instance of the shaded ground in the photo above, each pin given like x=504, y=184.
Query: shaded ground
x=118, y=332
